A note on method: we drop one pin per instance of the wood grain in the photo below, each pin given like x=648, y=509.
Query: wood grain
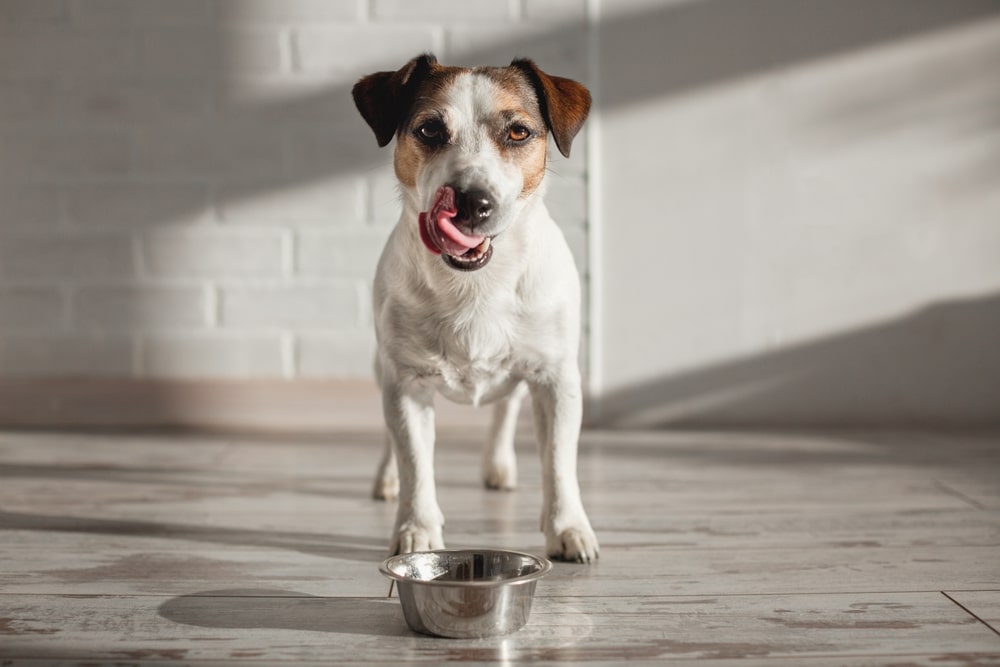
x=285, y=626
x=741, y=548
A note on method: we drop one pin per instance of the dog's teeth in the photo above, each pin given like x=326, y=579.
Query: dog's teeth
x=473, y=254
x=472, y=258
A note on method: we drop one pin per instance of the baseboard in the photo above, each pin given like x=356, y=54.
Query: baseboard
x=267, y=405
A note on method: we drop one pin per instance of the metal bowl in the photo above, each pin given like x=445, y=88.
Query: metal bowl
x=464, y=593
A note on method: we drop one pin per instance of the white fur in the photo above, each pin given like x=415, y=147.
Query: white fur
x=480, y=337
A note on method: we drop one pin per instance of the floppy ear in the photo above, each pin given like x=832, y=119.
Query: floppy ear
x=384, y=98
x=564, y=102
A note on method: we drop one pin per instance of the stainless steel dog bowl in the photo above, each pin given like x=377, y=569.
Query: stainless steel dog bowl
x=465, y=593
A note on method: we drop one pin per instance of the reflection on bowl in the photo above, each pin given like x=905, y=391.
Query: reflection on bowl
x=465, y=593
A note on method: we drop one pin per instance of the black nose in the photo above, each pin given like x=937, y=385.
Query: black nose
x=473, y=206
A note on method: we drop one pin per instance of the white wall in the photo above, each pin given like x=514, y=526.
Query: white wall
x=796, y=205
x=799, y=211
x=186, y=189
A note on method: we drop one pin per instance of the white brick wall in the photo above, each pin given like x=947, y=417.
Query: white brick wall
x=66, y=355
x=57, y=257
x=115, y=309
x=332, y=305
x=215, y=254
x=455, y=12
x=220, y=356
x=186, y=189
x=31, y=309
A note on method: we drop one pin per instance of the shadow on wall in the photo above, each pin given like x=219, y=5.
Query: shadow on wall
x=172, y=124
x=198, y=128
x=938, y=366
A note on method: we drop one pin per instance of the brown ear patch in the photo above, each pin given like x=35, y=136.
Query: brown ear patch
x=564, y=103
x=384, y=98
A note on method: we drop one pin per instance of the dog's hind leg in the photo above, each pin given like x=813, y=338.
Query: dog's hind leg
x=387, y=477
x=386, y=485
x=499, y=461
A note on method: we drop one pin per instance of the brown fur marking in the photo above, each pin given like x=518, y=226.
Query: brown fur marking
x=395, y=102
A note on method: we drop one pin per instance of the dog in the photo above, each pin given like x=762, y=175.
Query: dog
x=476, y=294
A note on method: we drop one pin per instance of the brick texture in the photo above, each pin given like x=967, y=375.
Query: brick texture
x=129, y=205
x=32, y=12
x=354, y=50
x=567, y=11
x=296, y=12
x=446, y=12
x=348, y=353
x=31, y=309
x=348, y=253
x=212, y=356
x=125, y=309
x=29, y=206
x=214, y=254
x=66, y=154
x=140, y=13
x=40, y=355
x=326, y=203
x=307, y=307
x=53, y=258
x=186, y=189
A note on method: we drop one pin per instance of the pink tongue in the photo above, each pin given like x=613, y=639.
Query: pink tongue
x=453, y=233
x=450, y=238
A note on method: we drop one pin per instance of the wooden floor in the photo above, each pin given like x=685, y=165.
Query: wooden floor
x=739, y=548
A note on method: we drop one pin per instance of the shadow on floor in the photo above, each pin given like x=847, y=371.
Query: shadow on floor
x=324, y=545
x=252, y=609
x=195, y=483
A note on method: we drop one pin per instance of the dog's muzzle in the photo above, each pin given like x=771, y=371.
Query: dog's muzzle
x=465, y=252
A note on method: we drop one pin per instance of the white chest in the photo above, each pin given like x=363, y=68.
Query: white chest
x=475, y=385
x=477, y=365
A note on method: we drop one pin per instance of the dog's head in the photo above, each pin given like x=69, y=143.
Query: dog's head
x=471, y=144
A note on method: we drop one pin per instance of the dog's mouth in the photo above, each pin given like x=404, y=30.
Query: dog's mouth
x=459, y=250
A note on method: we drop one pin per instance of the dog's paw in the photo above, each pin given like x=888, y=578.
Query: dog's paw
x=500, y=474
x=573, y=545
x=386, y=487
x=416, y=538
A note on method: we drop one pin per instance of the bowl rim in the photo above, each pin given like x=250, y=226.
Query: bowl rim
x=545, y=566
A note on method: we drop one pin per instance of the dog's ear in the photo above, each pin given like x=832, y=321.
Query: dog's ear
x=564, y=103
x=384, y=98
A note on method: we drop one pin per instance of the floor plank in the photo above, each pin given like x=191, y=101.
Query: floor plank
x=277, y=625
x=345, y=567
x=741, y=548
x=985, y=605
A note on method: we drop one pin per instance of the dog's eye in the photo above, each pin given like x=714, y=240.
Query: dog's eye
x=518, y=133
x=431, y=133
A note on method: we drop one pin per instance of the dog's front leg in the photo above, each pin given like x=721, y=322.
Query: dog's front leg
x=557, y=402
x=409, y=416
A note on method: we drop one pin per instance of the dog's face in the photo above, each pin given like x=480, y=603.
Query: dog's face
x=471, y=144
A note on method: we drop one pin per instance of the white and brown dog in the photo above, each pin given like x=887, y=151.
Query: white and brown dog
x=476, y=293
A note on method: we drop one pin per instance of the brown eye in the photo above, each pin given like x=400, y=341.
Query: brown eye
x=518, y=133
x=431, y=133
